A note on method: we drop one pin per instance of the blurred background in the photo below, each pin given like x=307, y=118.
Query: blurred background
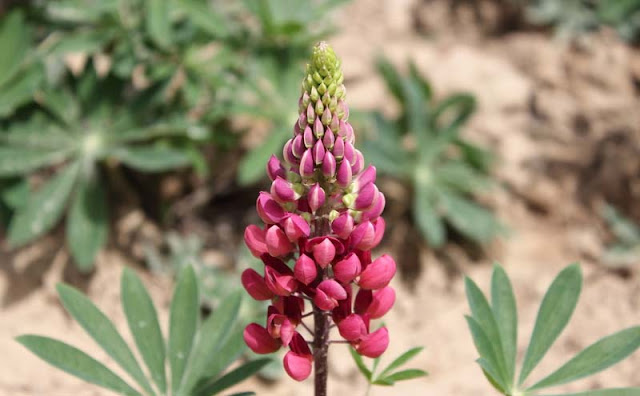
x=135, y=133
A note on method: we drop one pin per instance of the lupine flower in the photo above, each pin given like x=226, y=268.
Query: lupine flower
x=322, y=214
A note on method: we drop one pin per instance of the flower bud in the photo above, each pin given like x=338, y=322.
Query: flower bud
x=311, y=114
x=295, y=227
x=275, y=168
x=358, y=163
x=328, y=140
x=268, y=209
x=259, y=340
x=307, y=166
x=299, y=360
x=279, y=326
x=343, y=110
x=318, y=128
x=326, y=117
x=374, y=344
x=324, y=252
x=375, y=211
x=287, y=153
x=297, y=147
x=255, y=285
x=334, y=124
x=352, y=328
x=316, y=197
x=366, y=197
x=366, y=177
x=302, y=120
x=363, y=236
x=343, y=176
x=318, y=152
x=305, y=269
x=328, y=293
x=308, y=138
x=283, y=191
x=280, y=285
x=342, y=225
x=347, y=269
x=254, y=239
x=277, y=242
x=382, y=301
x=379, y=225
x=338, y=148
x=349, y=152
x=378, y=274
x=329, y=165
x=319, y=107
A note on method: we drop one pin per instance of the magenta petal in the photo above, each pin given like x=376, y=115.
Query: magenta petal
x=305, y=269
x=297, y=366
x=318, y=152
x=329, y=139
x=381, y=302
x=324, y=252
x=282, y=191
x=306, y=164
x=366, y=197
x=329, y=165
x=308, y=138
x=358, y=163
x=254, y=239
x=378, y=274
x=259, y=340
x=295, y=227
x=318, y=128
x=323, y=301
x=363, y=236
x=338, y=148
x=367, y=176
x=379, y=225
x=363, y=301
x=342, y=225
x=297, y=147
x=281, y=285
x=316, y=197
x=352, y=328
x=374, y=344
x=275, y=168
x=286, y=332
x=255, y=285
x=343, y=176
x=332, y=289
x=348, y=268
x=277, y=242
x=268, y=209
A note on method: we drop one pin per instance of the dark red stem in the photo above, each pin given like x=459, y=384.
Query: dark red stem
x=320, y=351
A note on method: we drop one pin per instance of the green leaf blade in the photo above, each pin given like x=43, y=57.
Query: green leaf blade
x=400, y=360
x=152, y=158
x=143, y=324
x=598, y=356
x=357, y=358
x=158, y=23
x=504, y=308
x=405, y=375
x=555, y=311
x=606, y=392
x=233, y=377
x=75, y=362
x=488, y=359
x=102, y=330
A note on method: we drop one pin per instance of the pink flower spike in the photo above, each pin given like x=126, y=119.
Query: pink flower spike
x=282, y=191
x=295, y=227
x=254, y=239
x=281, y=285
x=374, y=344
x=259, y=340
x=343, y=177
x=328, y=293
x=255, y=285
x=378, y=274
x=268, y=209
x=298, y=361
x=329, y=165
x=342, y=225
x=306, y=164
x=347, y=269
x=277, y=242
x=338, y=148
x=316, y=197
x=318, y=152
x=382, y=301
x=352, y=328
x=324, y=252
x=305, y=269
x=275, y=168
x=308, y=138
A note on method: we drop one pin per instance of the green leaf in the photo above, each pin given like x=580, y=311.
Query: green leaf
x=392, y=78
x=360, y=364
x=490, y=374
x=88, y=222
x=204, y=17
x=602, y=354
x=158, y=22
x=210, y=339
x=405, y=375
x=156, y=131
x=75, y=362
x=420, y=81
x=183, y=322
x=228, y=353
x=382, y=147
x=151, y=158
x=555, y=311
x=143, y=323
x=15, y=161
x=400, y=360
x=43, y=209
x=80, y=41
x=234, y=377
x=482, y=313
x=504, y=309
x=488, y=359
x=469, y=218
x=102, y=330
x=14, y=41
x=453, y=111
x=20, y=89
x=251, y=167
x=425, y=209
x=606, y=392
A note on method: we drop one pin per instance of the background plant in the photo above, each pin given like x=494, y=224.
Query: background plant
x=625, y=249
x=197, y=353
x=494, y=328
x=390, y=374
x=422, y=147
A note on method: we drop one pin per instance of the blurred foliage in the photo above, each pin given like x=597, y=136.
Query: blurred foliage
x=423, y=149
x=89, y=85
x=625, y=250
x=390, y=374
x=573, y=17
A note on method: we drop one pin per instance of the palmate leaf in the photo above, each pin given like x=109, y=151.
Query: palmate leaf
x=20, y=89
x=102, y=330
x=75, y=362
x=44, y=207
x=14, y=41
x=183, y=322
x=151, y=158
x=88, y=222
x=555, y=311
x=143, y=324
x=16, y=161
x=470, y=219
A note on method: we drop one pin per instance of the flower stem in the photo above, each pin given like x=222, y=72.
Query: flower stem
x=321, y=349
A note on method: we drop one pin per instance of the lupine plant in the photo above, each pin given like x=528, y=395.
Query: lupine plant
x=198, y=353
x=322, y=213
x=422, y=147
x=494, y=327
x=625, y=250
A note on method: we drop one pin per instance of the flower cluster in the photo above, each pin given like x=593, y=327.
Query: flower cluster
x=323, y=214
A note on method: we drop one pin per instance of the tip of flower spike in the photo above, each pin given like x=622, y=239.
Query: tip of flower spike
x=323, y=57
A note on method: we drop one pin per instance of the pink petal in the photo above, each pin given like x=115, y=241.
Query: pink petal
x=254, y=239
x=305, y=269
x=333, y=289
x=297, y=366
x=382, y=301
x=255, y=285
x=324, y=252
x=277, y=242
x=342, y=225
x=275, y=168
x=348, y=268
x=268, y=209
x=295, y=227
x=259, y=340
x=352, y=328
x=378, y=274
x=374, y=344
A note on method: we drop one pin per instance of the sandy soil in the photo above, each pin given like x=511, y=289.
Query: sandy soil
x=548, y=108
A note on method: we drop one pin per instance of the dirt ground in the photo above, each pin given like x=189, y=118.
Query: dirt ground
x=565, y=124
